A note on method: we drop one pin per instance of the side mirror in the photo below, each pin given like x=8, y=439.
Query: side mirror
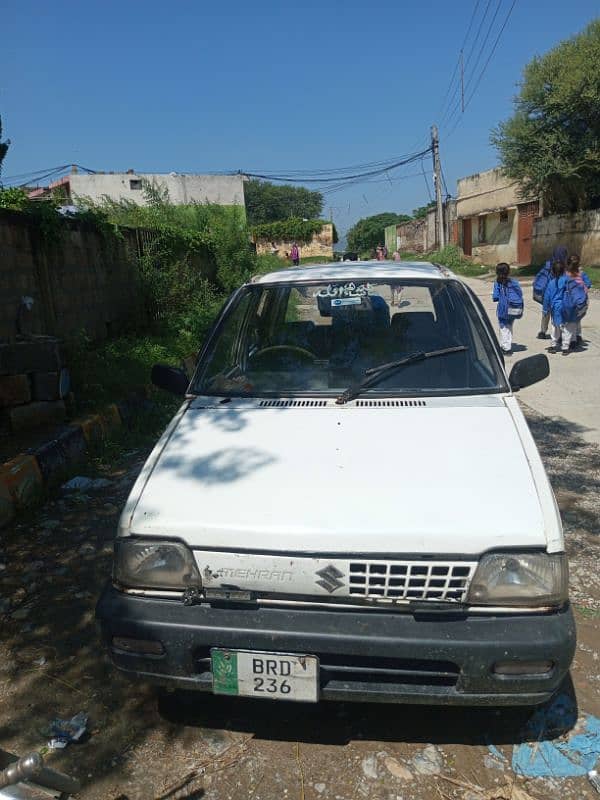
x=171, y=379
x=529, y=371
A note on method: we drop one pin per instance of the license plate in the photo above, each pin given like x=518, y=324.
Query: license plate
x=271, y=676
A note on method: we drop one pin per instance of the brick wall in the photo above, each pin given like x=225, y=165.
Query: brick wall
x=80, y=281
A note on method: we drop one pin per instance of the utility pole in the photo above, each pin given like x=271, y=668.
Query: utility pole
x=437, y=173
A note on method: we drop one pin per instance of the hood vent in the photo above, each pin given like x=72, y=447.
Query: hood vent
x=292, y=403
x=388, y=403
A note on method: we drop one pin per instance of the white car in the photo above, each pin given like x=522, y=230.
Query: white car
x=349, y=505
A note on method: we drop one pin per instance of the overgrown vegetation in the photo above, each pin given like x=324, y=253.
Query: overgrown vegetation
x=551, y=144
x=422, y=211
x=368, y=232
x=266, y=202
x=288, y=230
x=449, y=256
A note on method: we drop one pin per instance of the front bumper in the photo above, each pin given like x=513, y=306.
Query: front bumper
x=365, y=656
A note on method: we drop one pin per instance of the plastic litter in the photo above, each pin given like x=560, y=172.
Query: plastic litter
x=81, y=483
x=65, y=731
x=560, y=745
x=594, y=779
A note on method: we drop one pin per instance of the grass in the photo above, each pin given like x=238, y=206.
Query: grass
x=107, y=372
x=450, y=256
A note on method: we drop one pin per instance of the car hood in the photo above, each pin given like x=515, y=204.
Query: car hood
x=450, y=476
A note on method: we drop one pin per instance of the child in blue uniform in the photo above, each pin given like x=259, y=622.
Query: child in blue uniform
x=509, y=296
x=564, y=329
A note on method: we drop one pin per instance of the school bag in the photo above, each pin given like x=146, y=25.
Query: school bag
x=515, y=300
x=575, y=300
x=540, y=282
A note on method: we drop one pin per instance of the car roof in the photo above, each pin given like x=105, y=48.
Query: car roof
x=356, y=271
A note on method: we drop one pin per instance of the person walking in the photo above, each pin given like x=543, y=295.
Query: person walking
x=564, y=329
x=540, y=282
x=295, y=255
x=575, y=272
x=508, y=294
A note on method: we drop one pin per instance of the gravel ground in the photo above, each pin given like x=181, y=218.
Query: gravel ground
x=53, y=564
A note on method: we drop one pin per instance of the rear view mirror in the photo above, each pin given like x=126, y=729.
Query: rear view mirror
x=529, y=371
x=171, y=379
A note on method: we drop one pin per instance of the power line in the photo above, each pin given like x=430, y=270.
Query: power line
x=339, y=178
x=462, y=105
x=451, y=107
x=462, y=47
x=485, y=66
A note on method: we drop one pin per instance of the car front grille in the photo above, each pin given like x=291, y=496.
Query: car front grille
x=393, y=581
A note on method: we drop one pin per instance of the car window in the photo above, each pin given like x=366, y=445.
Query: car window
x=322, y=337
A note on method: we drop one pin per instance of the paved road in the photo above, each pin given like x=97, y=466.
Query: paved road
x=572, y=392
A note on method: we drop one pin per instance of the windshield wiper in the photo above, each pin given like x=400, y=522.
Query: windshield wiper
x=376, y=374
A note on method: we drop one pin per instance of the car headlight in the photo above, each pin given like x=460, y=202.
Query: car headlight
x=147, y=564
x=520, y=579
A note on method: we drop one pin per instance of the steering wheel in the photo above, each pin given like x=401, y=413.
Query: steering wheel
x=279, y=348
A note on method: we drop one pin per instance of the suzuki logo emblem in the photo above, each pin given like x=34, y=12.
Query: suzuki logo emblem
x=329, y=576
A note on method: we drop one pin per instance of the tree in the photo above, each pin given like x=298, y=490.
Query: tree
x=367, y=233
x=422, y=211
x=3, y=147
x=551, y=144
x=266, y=202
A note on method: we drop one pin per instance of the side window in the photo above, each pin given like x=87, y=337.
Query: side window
x=226, y=357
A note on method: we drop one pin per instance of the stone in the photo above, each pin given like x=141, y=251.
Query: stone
x=4, y=605
x=429, y=761
x=7, y=507
x=369, y=766
x=20, y=613
x=42, y=355
x=45, y=386
x=398, y=770
x=33, y=415
x=111, y=418
x=14, y=390
x=23, y=479
x=52, y=461
x=319, y=788
x=92, y=428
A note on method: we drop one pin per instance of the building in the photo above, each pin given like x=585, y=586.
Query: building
x=421, y=235
x=184, y=189
x=494, y=222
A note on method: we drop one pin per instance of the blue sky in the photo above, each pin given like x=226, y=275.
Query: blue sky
x=189, y=86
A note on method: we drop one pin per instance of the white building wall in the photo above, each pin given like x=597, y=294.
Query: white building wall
x=225, y=190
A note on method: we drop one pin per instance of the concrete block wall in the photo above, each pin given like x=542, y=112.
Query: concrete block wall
x=580, y=233
x=79, y=280
x=321, y=245
x=33, y=383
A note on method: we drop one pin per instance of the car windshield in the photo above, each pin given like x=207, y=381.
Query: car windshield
x=323, y=337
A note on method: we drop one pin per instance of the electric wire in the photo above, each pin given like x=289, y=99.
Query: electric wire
x=458, y=106
x=485, y=66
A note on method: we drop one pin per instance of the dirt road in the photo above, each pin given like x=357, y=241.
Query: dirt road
x=53, y=565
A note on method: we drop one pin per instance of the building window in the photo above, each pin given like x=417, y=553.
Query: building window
x=504, y=216
x=481, y=230
x=135, y=184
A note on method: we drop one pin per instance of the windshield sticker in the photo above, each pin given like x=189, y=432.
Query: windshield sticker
x=346, y=301
x=345, y=290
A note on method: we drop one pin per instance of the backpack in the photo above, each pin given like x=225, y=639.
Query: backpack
x=515, y=300
x=540, y=282
x=575, y=300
